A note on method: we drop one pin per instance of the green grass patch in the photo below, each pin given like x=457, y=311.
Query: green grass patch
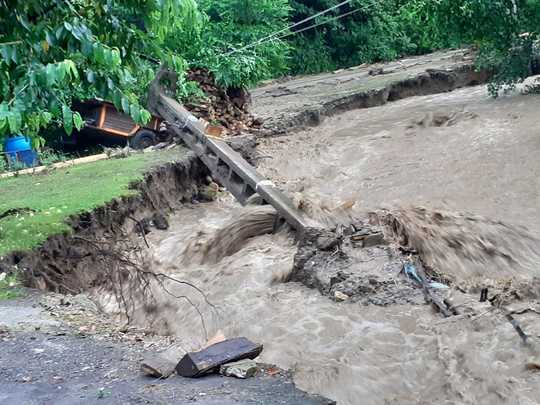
x=49, y=199
x=10, y=287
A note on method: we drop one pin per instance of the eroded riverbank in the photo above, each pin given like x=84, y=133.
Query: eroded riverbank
x=461, y=151
x=483, y=161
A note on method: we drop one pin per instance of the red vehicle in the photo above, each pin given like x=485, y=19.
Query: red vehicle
x=103, y=117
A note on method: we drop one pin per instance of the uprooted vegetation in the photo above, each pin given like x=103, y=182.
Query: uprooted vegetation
x=130, y=277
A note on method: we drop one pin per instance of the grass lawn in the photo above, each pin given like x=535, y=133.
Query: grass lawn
x=9, y=287
x=53, y=197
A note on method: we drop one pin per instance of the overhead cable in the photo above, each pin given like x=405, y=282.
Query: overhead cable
x=271, y=36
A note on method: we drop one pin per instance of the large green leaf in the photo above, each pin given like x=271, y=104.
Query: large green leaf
x=145, y=116
x=14, y=120
x=71, y=69
x=125, y=104
x=5, y=51
x=67, y=116
x=60, y=71
x=50, y=38
x=51, y=74
x=90, y=76
x=78, y=121
x=135, y=112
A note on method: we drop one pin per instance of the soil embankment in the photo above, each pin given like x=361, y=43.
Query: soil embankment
x=307, y=101
x=70, y=262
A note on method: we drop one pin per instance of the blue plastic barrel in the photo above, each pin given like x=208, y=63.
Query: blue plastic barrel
x=18, y=148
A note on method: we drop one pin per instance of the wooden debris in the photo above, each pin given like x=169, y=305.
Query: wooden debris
x=484, y=295
x=209, y=360
x=59, y=165
x=516, y=326
x=437, y=304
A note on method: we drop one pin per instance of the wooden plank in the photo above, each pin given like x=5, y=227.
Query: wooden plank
x=208, y=360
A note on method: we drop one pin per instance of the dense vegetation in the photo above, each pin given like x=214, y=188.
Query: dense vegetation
x=53, y=52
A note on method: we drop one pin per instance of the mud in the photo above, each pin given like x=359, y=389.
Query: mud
x=383, y=344
x=307, y=101
x=335, y=265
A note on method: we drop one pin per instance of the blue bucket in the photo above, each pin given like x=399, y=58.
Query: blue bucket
x=19, y=149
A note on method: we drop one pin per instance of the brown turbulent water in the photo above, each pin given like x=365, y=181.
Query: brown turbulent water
x=486, y=163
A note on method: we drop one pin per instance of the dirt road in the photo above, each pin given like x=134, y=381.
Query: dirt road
x=44, y=359
x=306, y=101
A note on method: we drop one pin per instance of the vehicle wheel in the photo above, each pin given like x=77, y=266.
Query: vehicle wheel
x=143, y=139
x=165, y=136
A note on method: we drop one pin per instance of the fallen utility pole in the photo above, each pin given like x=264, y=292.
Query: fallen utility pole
x=226, y=165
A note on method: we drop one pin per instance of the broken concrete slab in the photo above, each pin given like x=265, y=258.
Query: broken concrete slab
x=208, y=360
x=239, y=369
x=158, y=366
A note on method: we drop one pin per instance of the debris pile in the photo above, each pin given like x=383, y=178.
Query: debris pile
x=225, y=109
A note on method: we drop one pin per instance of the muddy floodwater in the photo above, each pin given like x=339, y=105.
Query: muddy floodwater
x=485, y=160
x=481, y=158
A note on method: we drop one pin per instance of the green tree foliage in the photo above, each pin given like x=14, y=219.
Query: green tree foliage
x=371, y=30
x=232, y=29
x=53, y=52
x=505, y=31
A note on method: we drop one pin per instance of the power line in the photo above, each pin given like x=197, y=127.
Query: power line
x=307, y=28
x=264, y=39
x=321, y=23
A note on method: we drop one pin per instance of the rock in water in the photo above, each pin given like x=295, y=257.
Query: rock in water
x=533, y=364
x=340, y=297
x=160, y=221
x=239, y=369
